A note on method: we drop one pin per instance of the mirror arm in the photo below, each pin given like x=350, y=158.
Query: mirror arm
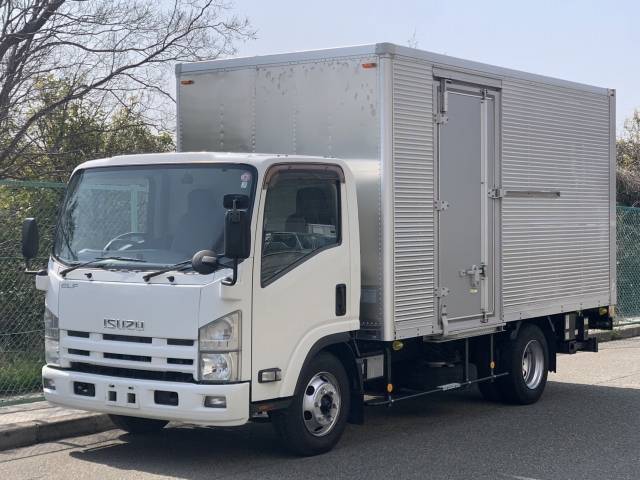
x=41, y=272
x=38, y=273
x=230, y=282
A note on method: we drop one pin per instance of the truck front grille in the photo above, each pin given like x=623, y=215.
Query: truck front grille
x=180, y=342
x=75, y=333
x=130, y=353
x=133, y=358
x=75, y=351
x=132, y=373
x=126, y=338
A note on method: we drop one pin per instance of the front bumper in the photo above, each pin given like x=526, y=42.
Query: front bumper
x=190, y=406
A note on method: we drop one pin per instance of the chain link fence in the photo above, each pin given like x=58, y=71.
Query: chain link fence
x=628, y=264
x=22, y=306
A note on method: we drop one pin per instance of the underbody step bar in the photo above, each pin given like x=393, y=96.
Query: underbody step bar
x=391, y=399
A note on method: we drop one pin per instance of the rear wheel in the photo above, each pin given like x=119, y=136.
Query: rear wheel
x=317, y=416
x=136, y=424
x=527, y=361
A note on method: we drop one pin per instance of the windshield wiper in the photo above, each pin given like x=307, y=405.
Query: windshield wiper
x=175, y=266
x=64, y=272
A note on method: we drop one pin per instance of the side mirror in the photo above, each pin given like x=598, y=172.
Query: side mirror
x=235, y=201
x=205, y=262
x=237, y=234
x=30, y=238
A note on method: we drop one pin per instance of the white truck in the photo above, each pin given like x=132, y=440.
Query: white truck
x=425, y=224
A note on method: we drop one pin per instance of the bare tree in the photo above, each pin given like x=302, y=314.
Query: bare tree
x=628, y=160
x=109, y=49
x=412, y=42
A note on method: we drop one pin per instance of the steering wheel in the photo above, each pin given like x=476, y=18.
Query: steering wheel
x=126, y=241
x=290, y=240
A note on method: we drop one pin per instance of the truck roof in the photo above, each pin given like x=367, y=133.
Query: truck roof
x=259, y=160
x=379, y=49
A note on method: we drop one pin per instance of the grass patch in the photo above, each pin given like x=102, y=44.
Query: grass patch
x=19, y=376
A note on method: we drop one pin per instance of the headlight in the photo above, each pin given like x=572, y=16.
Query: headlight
x=51, y=329
x=51, y=337
x=219, y=348
x=219, y=367
x=222, y=334
x=51, y=351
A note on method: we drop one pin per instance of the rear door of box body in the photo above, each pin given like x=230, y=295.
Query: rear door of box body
x=467, y=117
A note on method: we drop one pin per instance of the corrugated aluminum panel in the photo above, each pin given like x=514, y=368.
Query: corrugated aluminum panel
x=413, y=198
x=325, y=107
x=556, y=251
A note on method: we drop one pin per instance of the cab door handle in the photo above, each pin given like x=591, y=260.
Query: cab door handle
x=341, y=300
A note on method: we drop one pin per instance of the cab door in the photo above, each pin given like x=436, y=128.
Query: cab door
x=301, y=282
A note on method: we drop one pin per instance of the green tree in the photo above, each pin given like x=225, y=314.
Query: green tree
x=83, y=129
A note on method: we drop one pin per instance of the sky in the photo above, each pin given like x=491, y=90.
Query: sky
x=593, y=42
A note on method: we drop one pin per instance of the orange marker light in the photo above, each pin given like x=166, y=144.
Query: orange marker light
x=369, y=65
x=186, y=82
x=389, y=387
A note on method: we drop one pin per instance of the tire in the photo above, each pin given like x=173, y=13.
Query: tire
x=317, y=416
x=137, y=425
x=527, y=361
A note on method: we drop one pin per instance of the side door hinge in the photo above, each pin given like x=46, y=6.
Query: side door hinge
x=440, y=118
x=441, y=292
x=497, y=193
x=440, y=205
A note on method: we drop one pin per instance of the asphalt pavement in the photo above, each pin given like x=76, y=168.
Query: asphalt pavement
x=586, y=426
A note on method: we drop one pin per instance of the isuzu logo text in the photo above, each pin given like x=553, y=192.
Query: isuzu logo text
x=123, y=324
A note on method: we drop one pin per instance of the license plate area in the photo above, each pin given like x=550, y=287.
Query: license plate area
x=122, y=396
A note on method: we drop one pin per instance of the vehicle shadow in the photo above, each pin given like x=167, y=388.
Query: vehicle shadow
x=574, y=431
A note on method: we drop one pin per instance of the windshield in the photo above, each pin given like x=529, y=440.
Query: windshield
x=160, y=214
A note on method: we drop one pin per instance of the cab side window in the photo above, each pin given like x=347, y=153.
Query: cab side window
x=302, y=217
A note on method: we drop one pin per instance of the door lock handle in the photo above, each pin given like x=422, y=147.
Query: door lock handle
x=341, y=300
x=476, y=273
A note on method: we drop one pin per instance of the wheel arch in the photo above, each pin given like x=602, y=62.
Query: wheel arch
x=549, y=331
x=340, y=345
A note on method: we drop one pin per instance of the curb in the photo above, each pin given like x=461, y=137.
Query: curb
x=618, y=333
x=30, y=433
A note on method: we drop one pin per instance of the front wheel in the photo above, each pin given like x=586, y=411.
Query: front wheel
x=137, y=424
x=527, y=361
x=317, y=416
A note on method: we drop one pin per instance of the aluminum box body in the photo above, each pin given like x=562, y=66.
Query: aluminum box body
x=539, y=160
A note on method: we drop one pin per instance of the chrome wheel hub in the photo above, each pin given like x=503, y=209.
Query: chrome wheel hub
x=321, y=404
x=533, y=364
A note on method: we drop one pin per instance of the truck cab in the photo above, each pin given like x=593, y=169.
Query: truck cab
x=138, y=327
